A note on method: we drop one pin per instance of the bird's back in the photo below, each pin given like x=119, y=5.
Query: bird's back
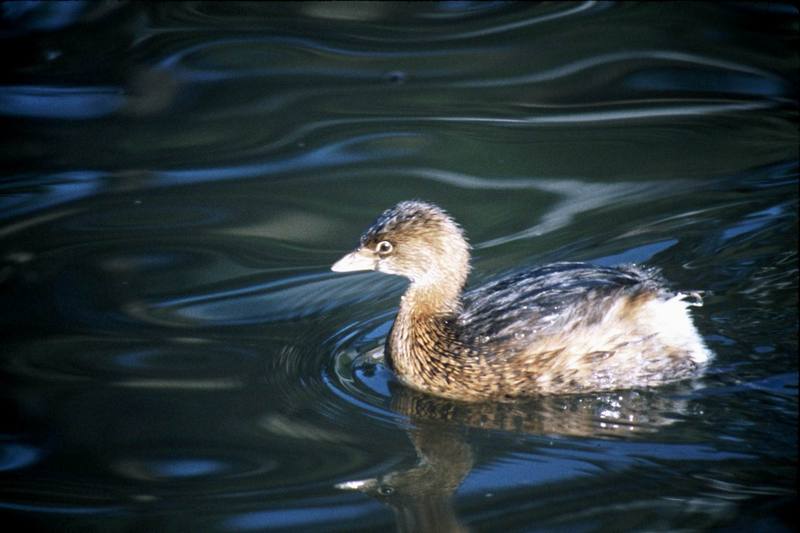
x=568, y=327
x=551, y=298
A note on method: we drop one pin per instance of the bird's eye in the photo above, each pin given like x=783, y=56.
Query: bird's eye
x=384, y=247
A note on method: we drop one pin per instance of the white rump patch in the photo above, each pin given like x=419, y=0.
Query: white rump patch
x=674, y=325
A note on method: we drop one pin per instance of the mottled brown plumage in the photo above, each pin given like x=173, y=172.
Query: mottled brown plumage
x=561, y=328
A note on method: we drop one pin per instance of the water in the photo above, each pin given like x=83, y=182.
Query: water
x=178, y=178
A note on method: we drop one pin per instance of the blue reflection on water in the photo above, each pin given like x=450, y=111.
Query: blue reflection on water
x=187, y=467
x=49, y=509
x=282, y=299
x=543, y=468
x=753, y=222
x=339, y=153
x=14, y=456
x=640, y=254
x=43, y=15
x=52, y=190
x=295, y=517
x=60, y=102
x=525, y=471
x=676, y=79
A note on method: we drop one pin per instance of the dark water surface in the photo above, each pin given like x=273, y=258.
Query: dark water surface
x=178, y=178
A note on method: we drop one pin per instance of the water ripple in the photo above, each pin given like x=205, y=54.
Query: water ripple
x=434, y=22
x=634, y=57
x=168, y=466
x=339, y=153
x=576, y=196
x=183, y=363
x=568, y=11
x=25, y=194
x=283, y=299
x=628, y=114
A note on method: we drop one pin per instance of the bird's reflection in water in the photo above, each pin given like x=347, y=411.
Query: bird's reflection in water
x=422, y=495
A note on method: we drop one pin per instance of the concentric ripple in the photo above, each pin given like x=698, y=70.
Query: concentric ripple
x=356, y=373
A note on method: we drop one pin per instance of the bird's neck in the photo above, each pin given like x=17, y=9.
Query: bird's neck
x=431, y=300
x=438, y=292
x=422, y=331
x=423, y=339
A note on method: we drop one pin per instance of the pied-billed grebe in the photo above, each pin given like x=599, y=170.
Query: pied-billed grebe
x=560, y=328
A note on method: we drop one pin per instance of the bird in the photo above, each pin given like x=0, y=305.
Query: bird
x=560, y=328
